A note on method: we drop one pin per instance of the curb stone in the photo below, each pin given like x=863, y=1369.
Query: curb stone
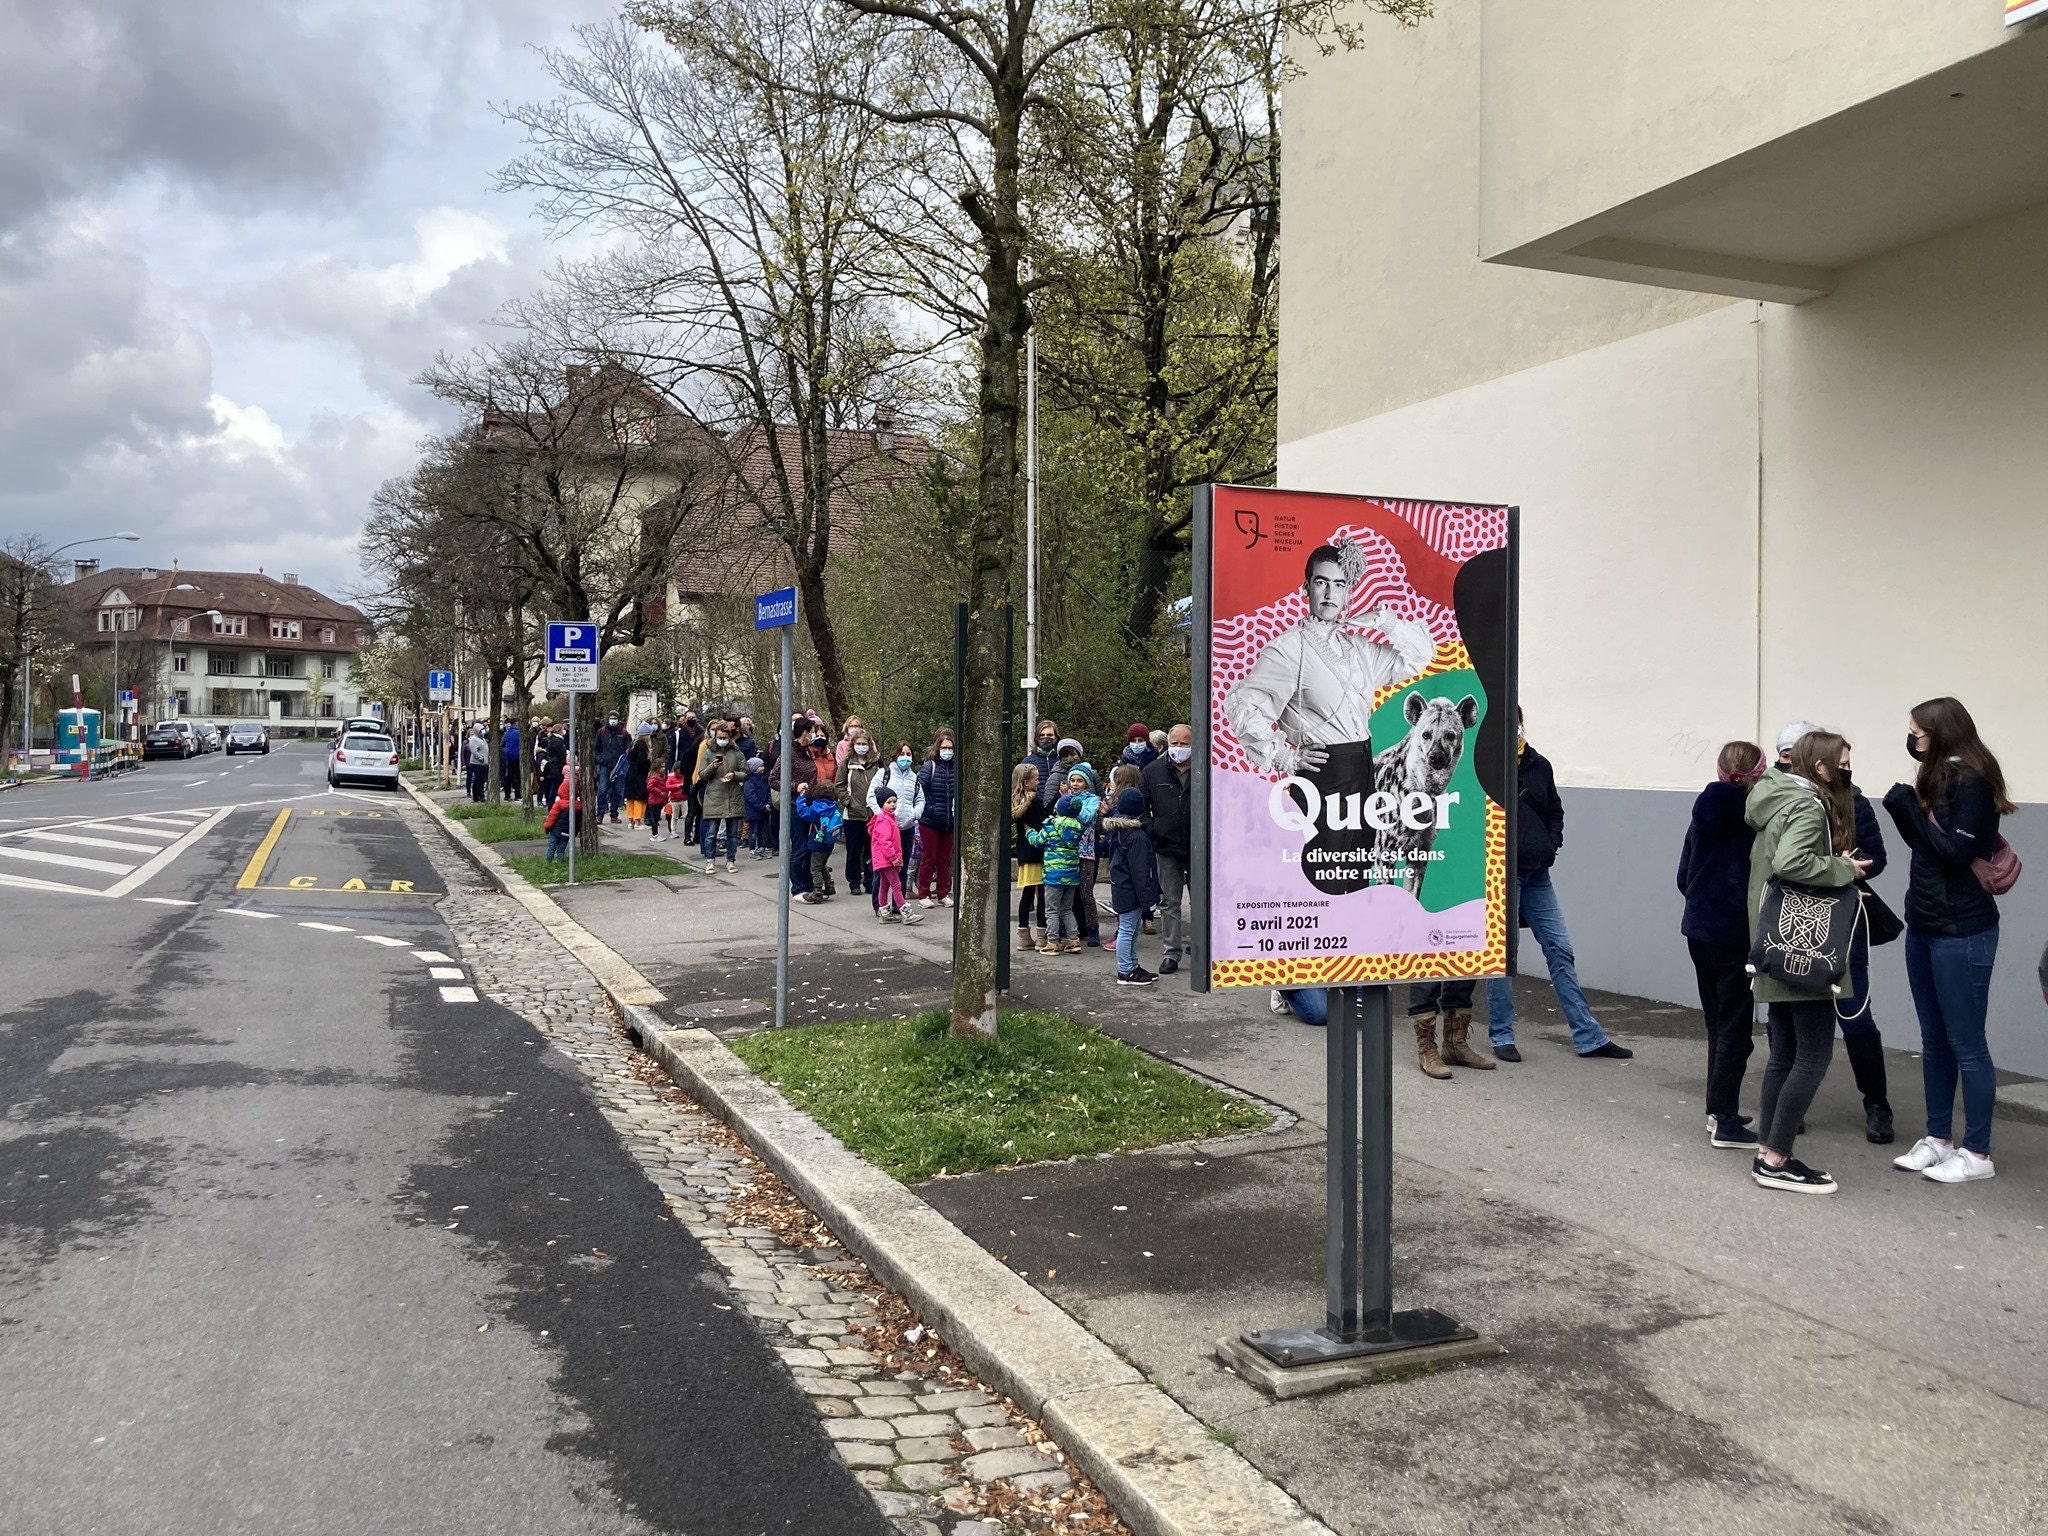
x=1160, y=1467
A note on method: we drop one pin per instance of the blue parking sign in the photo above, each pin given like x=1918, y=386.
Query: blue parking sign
x=570, y=642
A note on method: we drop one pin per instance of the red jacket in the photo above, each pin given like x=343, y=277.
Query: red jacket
x=657, y=791
x=562, y=803
x=885, y=843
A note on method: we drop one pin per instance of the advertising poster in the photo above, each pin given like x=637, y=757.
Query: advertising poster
x=1356, y=654
x=2024, y=10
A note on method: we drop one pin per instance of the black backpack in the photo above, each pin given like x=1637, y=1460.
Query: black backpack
x=1804, y=934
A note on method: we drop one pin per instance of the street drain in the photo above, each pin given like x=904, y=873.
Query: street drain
x=718, y=1008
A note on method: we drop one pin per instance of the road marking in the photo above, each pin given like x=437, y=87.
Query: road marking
x=125, y=830
x=327, y=927
x=261, y=856
x=168, y=901
x=27, y=884
x=93, y=842
x=458, y=994
x=385, y=939
x=195, y=783
x=245, y=912
x=162, y=860
x=433, y=957
x=169, y=821
x=445, y=972
x=67, y=860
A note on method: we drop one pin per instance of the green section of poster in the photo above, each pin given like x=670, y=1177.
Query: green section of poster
x=1457, y=863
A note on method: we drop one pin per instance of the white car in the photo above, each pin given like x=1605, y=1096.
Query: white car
x=361, y=756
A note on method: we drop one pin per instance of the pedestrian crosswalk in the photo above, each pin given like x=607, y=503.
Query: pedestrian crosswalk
x=76, y=857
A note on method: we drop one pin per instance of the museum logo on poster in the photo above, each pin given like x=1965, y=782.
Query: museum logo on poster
x=1361, y=738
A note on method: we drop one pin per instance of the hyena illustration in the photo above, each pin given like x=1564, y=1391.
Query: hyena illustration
x=1420, y=763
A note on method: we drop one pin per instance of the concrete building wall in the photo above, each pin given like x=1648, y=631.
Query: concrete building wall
x=1752, y=515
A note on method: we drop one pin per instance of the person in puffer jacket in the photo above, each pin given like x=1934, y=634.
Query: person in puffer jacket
x=1133, y=882
x=1713, y=876
x=1059, y=838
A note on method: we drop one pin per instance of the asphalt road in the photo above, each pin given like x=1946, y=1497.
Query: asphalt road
x=294, y=1237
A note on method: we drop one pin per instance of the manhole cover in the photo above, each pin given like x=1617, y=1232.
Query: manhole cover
x=718, y=1008
x=765, y=951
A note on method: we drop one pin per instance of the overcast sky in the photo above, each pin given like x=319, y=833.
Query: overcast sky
x=231, y=231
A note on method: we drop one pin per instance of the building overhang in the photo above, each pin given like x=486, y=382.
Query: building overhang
x=1779, y=220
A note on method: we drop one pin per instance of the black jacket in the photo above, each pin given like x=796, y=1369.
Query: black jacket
x=1539, y=825
x=1713, y=868
x=1035, y=815
x=1133, y=879
x=1943, y=898
x=1167, y=797
x=612, y=744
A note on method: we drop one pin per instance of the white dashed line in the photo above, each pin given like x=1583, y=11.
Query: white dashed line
x=245, y=912
x=168, y=901
x=458, y=994
x=445, y=972
x=327, y=927
x=433, y=957
x=385, y=939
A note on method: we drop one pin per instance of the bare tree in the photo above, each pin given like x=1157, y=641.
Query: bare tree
x=31, y=621
x=758, y=283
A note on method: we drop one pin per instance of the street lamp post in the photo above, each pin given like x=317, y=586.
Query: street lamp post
x=28, y=675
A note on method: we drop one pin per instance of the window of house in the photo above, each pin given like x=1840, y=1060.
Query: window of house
x=222, y=663
x=280, y=666
x=181, y=626
x=327, y=666
x=284, y=629
x=114, y=619
x=327, y=636
x=236, y=624
x=327, y=709
x=180, y=662
x=181, y=703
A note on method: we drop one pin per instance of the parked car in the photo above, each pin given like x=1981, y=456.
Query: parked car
x=368, y=724
x=209, y=736
x=247, y=736
x=367, y=758
x=170, y=738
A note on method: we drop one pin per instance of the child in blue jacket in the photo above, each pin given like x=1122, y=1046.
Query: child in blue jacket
x=818, y=822
x=760, y=800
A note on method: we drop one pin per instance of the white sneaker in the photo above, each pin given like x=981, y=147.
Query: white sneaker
x=1960, y=1167
x=1277, y=1001
x=732, y=866
x=1924, y=1154
x=945, y=901
x=926, y=901
x=711, y=868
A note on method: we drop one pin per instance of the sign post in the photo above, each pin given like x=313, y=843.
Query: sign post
x=1354, y=688
x=441, y=691
x=572, y=669
x=777, y=610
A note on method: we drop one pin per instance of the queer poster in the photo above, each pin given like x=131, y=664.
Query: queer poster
x=1358, y=673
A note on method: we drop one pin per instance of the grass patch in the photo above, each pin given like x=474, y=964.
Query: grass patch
x=497, y=823
x=599, y=866
x=915, y=1102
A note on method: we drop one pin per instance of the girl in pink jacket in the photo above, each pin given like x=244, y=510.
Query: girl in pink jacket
x=885, y=848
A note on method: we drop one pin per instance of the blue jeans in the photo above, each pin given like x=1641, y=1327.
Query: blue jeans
x=1127, y=941
x=708, y=828
x=611, y=794
x=558, y=840
x=1544, y=918
x=1951, y=981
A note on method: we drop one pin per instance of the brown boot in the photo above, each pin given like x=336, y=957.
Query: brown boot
x=1070, y=946
x=1425, y=1046
x=1457, y=1027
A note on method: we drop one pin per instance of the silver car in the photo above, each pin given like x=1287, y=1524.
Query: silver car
x=368, y=759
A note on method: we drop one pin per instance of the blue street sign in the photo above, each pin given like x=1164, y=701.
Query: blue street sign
x=773, y=610
x=571, y=642
x=440, y=687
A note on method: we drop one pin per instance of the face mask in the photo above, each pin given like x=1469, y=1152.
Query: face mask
x=1913, y=748
x=945, y=754
x=902, y=762
x=720, y=740
x=860, y=749
x=1045, y=743
x=613, y=721
x=1180, y=754
x=1842, y=778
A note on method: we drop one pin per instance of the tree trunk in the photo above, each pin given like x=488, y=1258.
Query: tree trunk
x=985, y=777
x=584, y=748
x=810, y=586
x=494, y=781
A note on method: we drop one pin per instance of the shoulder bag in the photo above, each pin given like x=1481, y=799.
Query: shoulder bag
x=1999, y=870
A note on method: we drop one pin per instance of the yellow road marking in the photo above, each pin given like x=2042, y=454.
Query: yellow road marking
x=263, y=851
x=351, y=888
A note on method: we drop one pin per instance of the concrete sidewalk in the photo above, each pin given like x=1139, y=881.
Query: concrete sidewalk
x=1686, y=1353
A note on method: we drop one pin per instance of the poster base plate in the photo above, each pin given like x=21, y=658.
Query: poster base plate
x=1324, y=1363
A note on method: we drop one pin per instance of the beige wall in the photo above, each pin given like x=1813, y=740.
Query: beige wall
x=1906, y=469
x=1383, y=301
x=1591, y=103
x=1634, y=465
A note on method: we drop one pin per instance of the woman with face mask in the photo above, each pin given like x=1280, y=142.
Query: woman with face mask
x=1713, y=877
x=856, y=777
x=938, y=782
x=1949, y=818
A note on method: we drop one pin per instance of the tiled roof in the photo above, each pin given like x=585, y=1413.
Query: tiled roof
x=165, y=595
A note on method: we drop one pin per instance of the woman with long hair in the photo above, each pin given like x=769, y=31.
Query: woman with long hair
x=939, y=781
x=1805, y=824
x=1713, y=876
x=1949, y=817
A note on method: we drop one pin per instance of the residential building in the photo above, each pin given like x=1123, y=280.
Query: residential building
x=1745, y=306
x=224, y=645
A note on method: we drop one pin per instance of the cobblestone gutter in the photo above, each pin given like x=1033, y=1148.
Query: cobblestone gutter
x=941, y=1455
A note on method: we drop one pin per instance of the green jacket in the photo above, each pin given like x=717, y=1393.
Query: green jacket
x=1792, y=842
